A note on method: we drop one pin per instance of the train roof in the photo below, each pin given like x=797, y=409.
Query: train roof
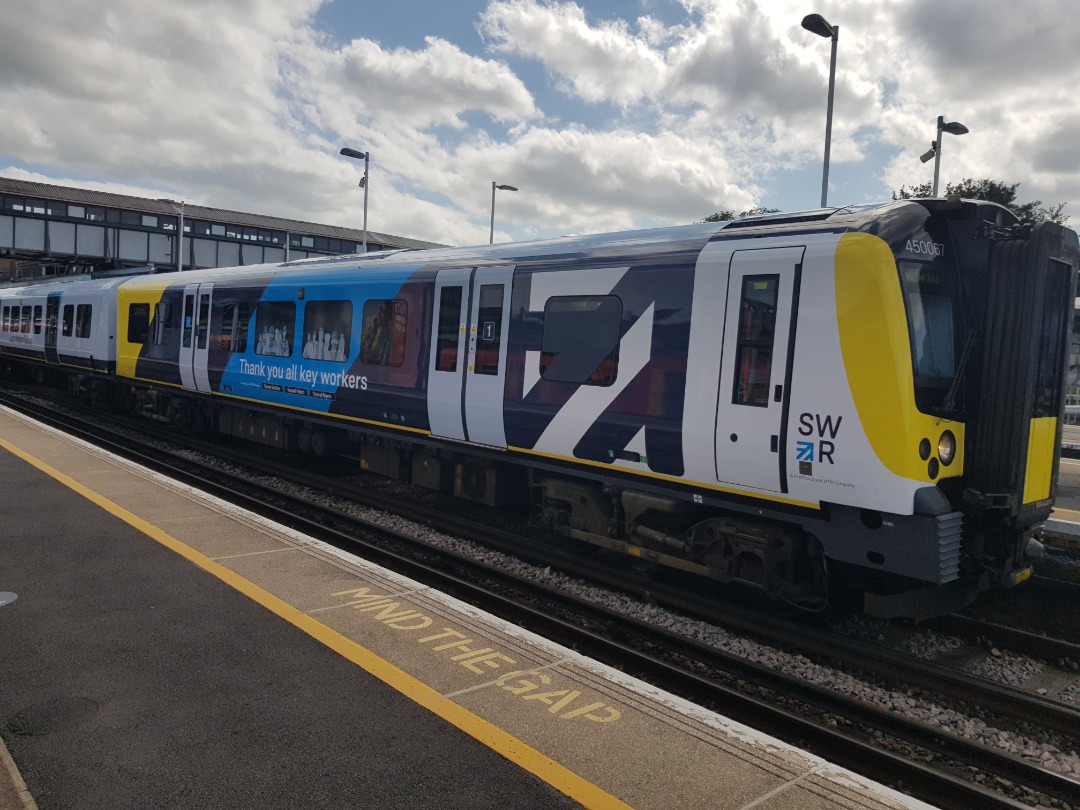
x=66, y=284
x=669, y=239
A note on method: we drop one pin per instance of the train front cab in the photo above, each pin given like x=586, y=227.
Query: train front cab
x=1010, y=289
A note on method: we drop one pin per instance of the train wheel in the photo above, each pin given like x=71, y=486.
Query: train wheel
x=321, y=442
x=303, y=439
x=474, y=481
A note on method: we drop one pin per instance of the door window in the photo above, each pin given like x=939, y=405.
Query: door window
x=446, y=347
x=754, y=343
x=489, y=329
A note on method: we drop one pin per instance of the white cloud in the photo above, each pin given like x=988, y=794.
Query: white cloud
x=602, y=62
x=575, y=180
x=419, y=88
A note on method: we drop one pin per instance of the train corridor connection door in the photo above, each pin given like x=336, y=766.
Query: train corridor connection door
x=195, y=337
x=467, y=375
x=52, y=325
x=759, y=331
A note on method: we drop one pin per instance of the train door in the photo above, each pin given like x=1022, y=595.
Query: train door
x=195, y=337
x=467, y=375
x=52, y=326
x=759, y=331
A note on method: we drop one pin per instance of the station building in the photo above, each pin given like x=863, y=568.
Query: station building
x=49, y=230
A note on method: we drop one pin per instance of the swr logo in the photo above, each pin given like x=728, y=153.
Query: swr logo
x=816, y=424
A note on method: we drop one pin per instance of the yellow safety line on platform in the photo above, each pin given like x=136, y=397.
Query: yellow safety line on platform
x=510, y=747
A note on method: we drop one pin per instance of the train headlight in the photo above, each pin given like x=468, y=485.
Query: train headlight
x=946, y=448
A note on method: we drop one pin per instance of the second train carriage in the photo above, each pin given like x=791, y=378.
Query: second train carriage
x=874, y=388
x=69, y=324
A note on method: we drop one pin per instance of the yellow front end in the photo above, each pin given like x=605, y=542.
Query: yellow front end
x=128, y=344
x=875, y=343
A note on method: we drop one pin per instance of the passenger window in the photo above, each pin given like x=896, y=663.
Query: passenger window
x=446, y=346
x=754, y=343
x=83, y=320
x=37, y=319
x=385, y=326
x=27, y=317
x=581, y=339
x=275, y=324
x=69, y=320
x=327, y=330
x=6, y=324
x=234, y=326
x=138, y=323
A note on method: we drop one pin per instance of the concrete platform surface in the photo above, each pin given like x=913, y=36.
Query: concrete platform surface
x=167, y=649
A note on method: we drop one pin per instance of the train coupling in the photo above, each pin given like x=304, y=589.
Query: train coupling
x=1021, y=571
x=1018, y=575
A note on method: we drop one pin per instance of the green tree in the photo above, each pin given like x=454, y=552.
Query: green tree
x=727, y=216
x=992, y=191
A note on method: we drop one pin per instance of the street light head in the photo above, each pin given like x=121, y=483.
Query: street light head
x=954, y=128
x=929, y=154
x=364, y=156
x=816, y=24
x=506, y=188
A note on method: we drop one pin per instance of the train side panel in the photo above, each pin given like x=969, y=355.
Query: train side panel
x=69, y=324
x=646, y=364
x=600, y=362
x=319, y=341
x=684, y=401
x=22, y=334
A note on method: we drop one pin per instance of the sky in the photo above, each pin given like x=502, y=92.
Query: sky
x=605, y=115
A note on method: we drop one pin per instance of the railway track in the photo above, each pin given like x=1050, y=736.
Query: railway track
x=921, y=759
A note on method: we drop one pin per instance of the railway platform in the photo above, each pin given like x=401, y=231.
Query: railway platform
x=161, y=648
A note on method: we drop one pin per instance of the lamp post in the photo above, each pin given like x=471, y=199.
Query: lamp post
x=179, y=232
x=816, y=24
x=491, y=237
x=953, y=128
x=366, y=157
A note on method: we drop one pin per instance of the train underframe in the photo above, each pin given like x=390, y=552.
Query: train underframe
x=780, y=559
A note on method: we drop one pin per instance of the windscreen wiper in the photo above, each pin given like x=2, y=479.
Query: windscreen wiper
x=948, y=406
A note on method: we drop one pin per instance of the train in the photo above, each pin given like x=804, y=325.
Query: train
x=865, y=399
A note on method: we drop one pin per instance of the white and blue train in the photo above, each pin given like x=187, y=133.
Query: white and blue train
x=869, y=394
